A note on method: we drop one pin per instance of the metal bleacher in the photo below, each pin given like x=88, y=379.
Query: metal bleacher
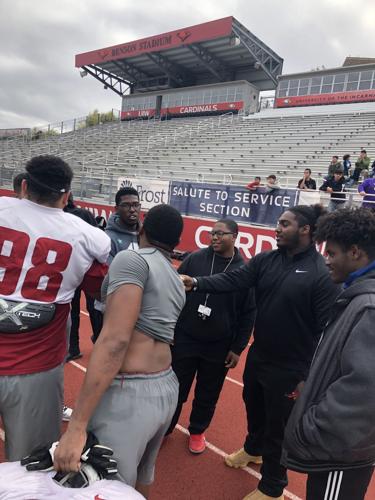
x=223, y=149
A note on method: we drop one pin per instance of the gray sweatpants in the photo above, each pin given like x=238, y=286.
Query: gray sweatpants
x=132, y=418
x=31, y=409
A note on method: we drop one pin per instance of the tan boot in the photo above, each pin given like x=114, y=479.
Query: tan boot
x=258, y=495
x=240, y=459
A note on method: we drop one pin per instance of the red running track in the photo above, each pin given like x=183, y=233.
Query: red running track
x=181, y=475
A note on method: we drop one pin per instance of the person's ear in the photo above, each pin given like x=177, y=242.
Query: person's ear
x=65, y=198
x=24, y=188
x=355, y=253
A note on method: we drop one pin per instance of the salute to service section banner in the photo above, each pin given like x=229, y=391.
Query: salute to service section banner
x=262, y=206
x=215, y=201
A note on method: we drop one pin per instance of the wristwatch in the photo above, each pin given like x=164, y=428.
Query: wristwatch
x=195, y=284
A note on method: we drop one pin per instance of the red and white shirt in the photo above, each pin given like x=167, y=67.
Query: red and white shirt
x=45, y=254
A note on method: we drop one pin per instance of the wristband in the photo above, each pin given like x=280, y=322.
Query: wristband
x=195, y=284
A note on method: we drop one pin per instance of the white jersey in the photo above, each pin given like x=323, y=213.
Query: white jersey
x=16, y=483
x=45, y=252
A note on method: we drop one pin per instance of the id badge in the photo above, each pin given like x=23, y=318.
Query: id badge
x=206, y=311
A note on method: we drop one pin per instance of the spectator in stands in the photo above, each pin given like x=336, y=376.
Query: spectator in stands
x=361, y=167
x=271, y=182
x=346, y=165
x=372, y=170
x=123, y=229
x=209, y=342
x=17, y=183
x=254, y=184
x=333, y=166
x=294, y=294
x=335, y=186
x=330, y=434
x=367, y=190
x=307, y=182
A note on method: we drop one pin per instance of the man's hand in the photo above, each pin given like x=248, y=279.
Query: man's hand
x=329, y=190
x=67, y=456
x=231, y=360
x=362, y=193
x=187, y=281
x=297, y=391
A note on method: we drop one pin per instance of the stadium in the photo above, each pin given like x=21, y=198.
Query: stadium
x=194, y=131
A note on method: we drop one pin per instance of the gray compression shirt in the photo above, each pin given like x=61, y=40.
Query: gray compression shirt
x=163, y=291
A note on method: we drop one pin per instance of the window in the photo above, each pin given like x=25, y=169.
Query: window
x=293, y=84
x=340, y=78
x=293, y=91
x=199, y=98
x=303, y=90
x=304, y=82
x=315, y=89
x=338, y=87
x=315, y=84
x=327, y=79
x=352, y=86
x=366, y=75
x=353, y=77
x=239, y=95
x=326, y=89
x=282, y=93
x=316, y=81
x=284, y=84
x=365, y=83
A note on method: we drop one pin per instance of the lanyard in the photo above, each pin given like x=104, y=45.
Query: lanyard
x=212, y=268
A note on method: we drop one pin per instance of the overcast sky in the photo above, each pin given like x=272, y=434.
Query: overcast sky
x=39, y=39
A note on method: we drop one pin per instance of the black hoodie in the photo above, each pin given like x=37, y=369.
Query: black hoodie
x=232, y=315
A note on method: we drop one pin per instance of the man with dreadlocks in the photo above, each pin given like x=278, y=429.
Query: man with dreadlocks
x=294, y=295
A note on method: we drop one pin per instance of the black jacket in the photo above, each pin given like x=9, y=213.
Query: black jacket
x=338, y=188
x=332, y=424
x=82, y=213
x=293, y=298
x=232, y=315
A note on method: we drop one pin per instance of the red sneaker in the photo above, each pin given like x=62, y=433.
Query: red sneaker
x=197, y=443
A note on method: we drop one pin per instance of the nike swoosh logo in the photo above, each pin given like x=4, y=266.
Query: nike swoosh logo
x=299, y=271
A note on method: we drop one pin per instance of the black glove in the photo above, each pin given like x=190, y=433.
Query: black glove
x=84, y=477
x=40, y=458
x=99, y=457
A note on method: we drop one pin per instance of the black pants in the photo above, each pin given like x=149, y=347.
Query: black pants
x=96, y=319
x=75, y=317
x=268, y=408
x=210, y=379
x=349, y=484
